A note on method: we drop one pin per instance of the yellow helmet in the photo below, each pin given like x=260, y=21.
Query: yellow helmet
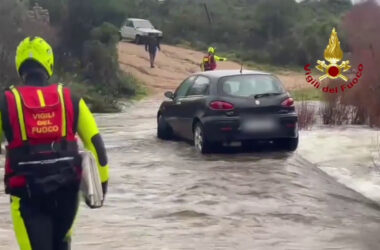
x=36, y=49
x=211, y=50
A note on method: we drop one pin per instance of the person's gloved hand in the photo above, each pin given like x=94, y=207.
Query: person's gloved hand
x=105, y=188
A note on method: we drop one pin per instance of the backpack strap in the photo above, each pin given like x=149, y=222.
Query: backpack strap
x=20, y=112
x=63, y=106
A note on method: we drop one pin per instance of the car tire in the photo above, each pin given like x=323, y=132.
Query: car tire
x=138, y=39
x=164, y=131
x=200, y=140
x=289, y=144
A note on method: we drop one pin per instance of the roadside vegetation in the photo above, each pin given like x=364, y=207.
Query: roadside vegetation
x=84, y=44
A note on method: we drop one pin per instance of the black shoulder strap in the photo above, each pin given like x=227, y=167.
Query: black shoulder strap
x=75, y=102
x=5, y=117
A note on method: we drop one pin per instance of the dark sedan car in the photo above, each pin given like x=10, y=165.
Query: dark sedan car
x=214, y=107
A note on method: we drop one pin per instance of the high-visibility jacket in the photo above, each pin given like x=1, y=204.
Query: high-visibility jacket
x=40, y=124
x=208, y=62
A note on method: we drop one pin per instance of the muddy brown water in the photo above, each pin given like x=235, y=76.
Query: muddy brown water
x=163, y=195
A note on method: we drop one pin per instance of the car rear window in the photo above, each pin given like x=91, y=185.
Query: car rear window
x=249, y=85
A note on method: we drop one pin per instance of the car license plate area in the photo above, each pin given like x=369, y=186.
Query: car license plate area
x=258, y=125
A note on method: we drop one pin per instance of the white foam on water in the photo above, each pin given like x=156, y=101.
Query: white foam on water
x=351, y=154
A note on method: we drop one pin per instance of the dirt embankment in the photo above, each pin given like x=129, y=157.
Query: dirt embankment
x=174, y=64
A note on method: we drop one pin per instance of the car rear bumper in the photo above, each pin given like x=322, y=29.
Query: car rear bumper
x=221, y=129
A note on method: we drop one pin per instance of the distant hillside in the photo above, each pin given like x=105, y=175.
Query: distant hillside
x=267, y=31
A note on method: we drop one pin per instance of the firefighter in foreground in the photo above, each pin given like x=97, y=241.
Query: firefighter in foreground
x=209, y=60
x=43, y=166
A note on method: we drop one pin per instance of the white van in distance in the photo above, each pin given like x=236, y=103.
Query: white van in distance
x=138, y=29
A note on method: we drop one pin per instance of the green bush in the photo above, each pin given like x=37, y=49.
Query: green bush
x=106, y=33
x=101, y=66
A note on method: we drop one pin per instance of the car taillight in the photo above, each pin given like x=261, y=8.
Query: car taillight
x=288, y=103
x=219, y=105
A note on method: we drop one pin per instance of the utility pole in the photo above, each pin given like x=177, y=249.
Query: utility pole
x=207, y=13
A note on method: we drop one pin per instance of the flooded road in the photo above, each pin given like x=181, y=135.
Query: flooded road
x=163, y=195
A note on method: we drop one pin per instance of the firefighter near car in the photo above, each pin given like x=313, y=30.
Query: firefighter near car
x=209, y=61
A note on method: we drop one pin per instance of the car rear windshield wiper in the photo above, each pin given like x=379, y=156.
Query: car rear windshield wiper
x=265, y=94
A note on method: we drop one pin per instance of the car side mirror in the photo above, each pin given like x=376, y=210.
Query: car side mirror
x=169, y=95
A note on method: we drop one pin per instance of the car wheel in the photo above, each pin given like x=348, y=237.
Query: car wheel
x=289, y=144
x=138, y=39
x=200, y=141
x=164, y=131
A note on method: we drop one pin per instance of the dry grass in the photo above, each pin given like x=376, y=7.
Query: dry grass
x=306, y=115
x=334, y=112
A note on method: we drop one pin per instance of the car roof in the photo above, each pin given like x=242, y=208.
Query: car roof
x=137, y=19
x=223, y=73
